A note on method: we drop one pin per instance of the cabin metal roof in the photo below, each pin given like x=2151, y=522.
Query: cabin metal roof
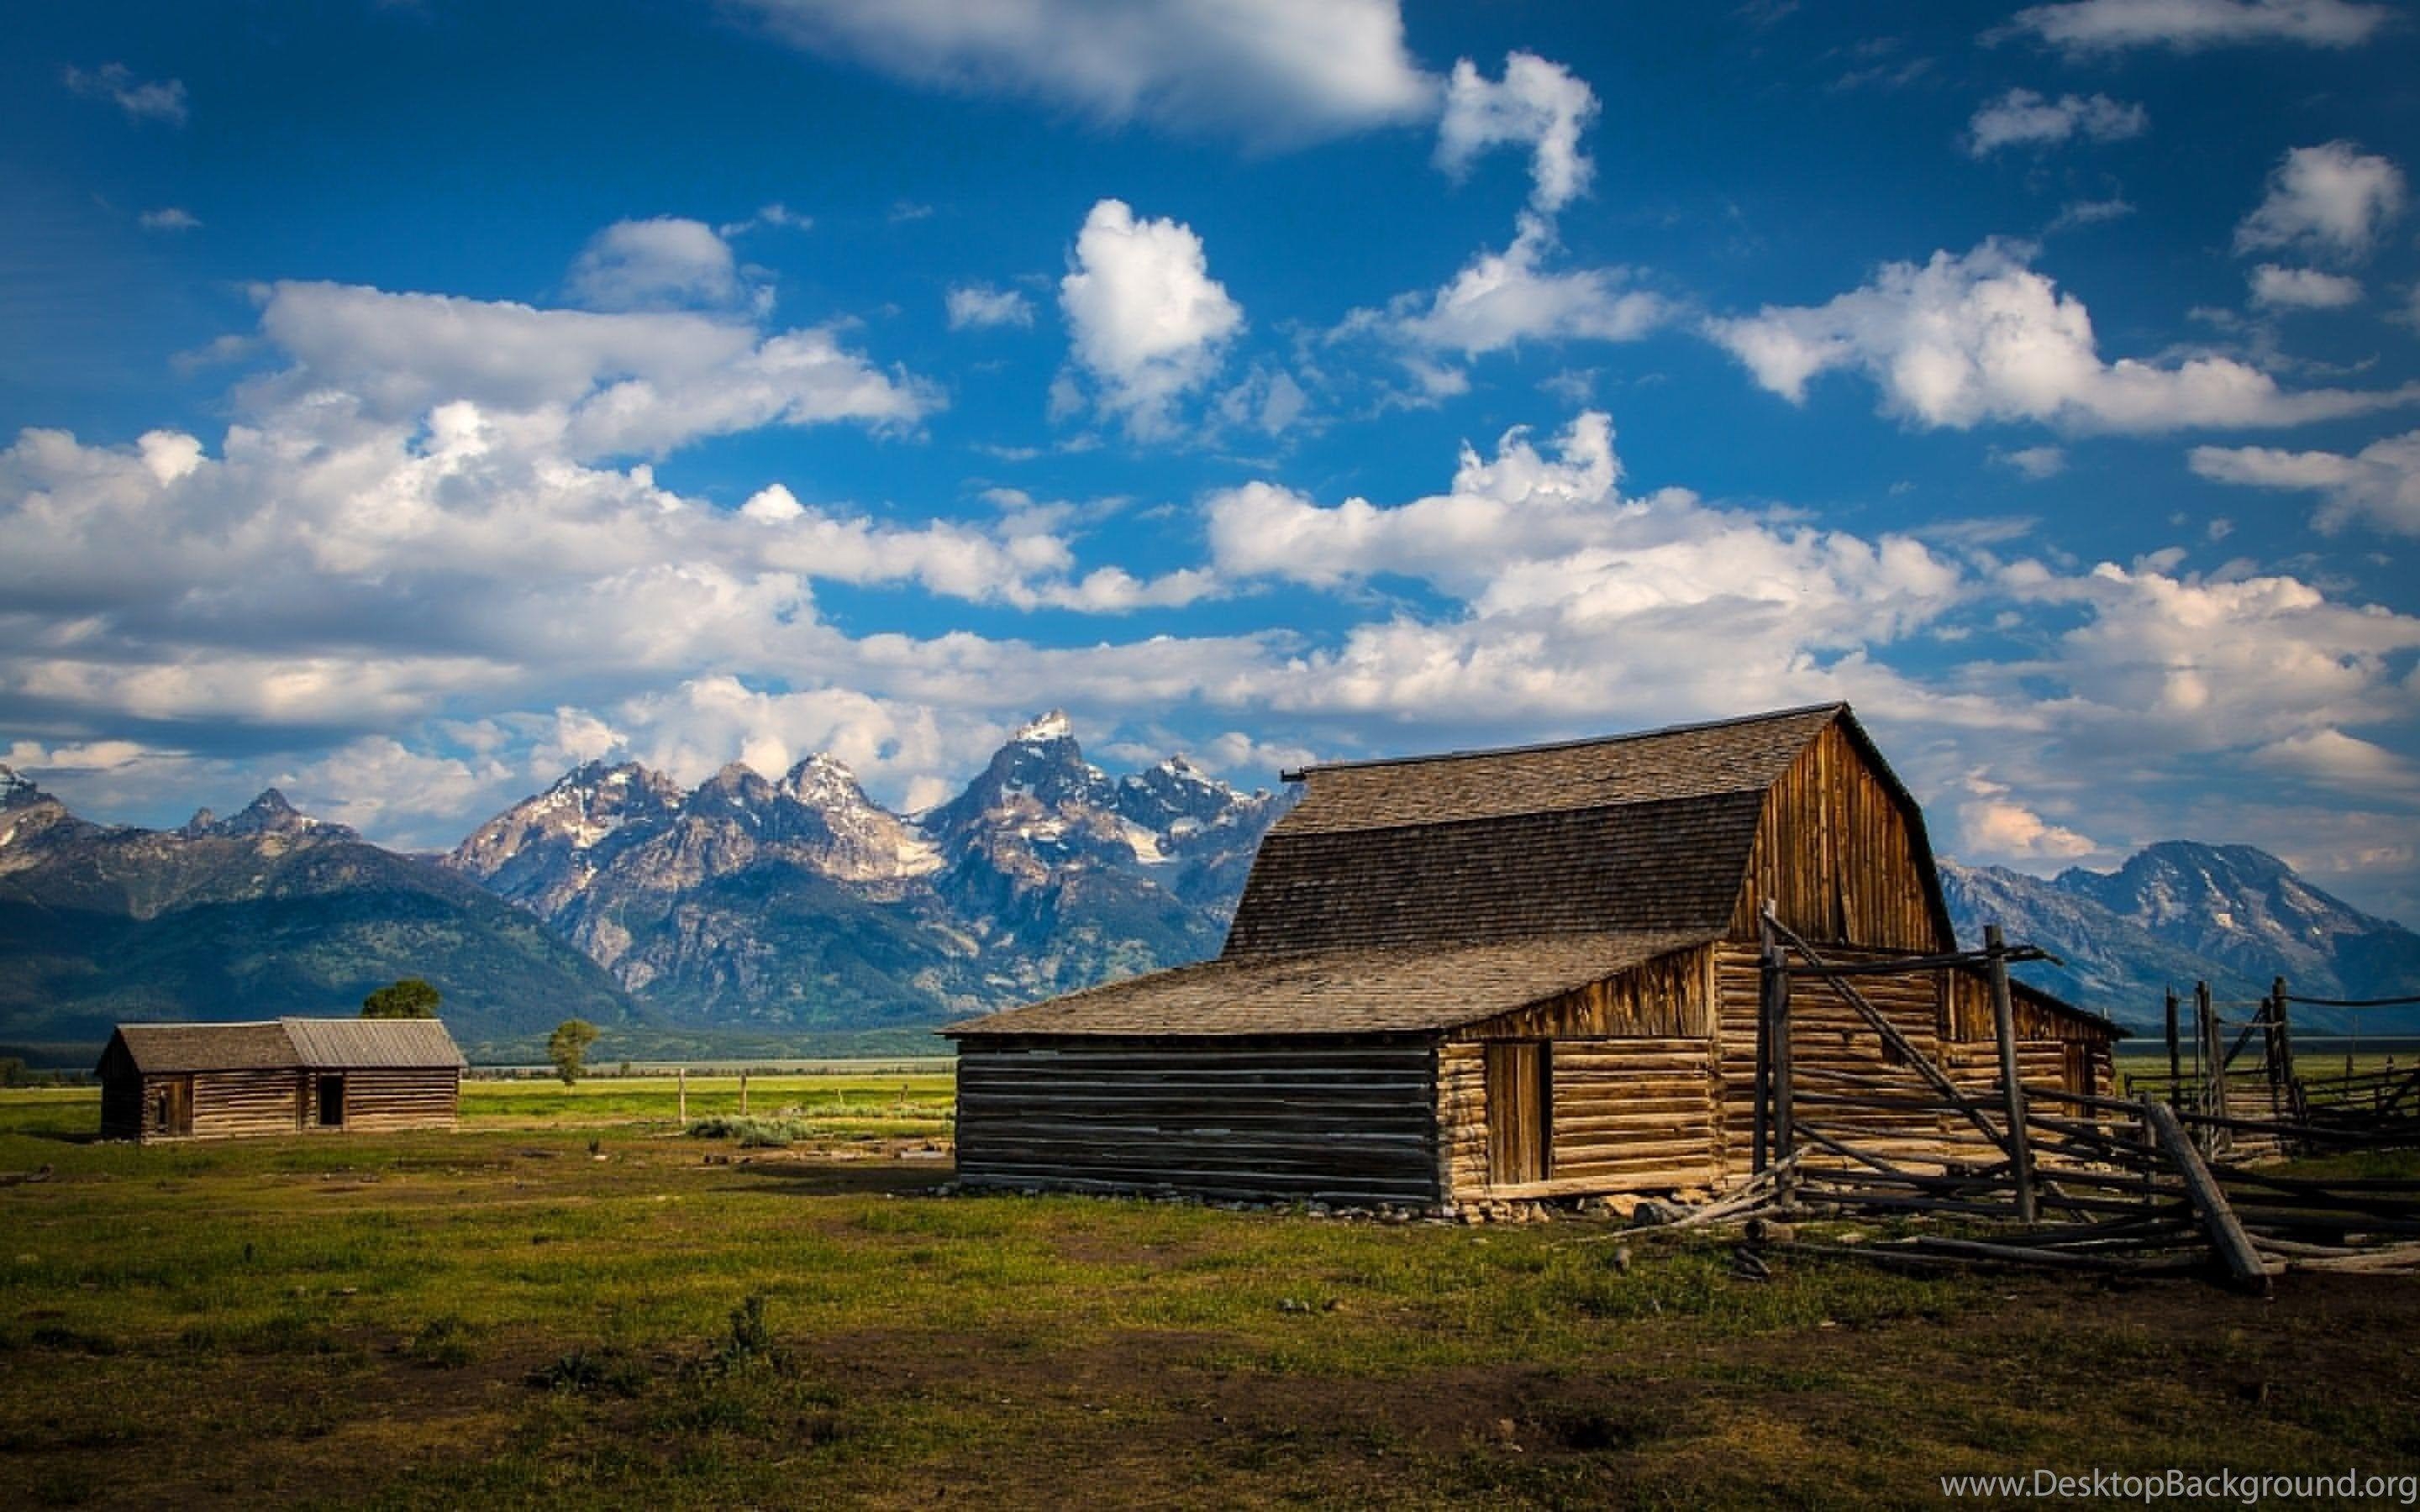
x=367, y=1044
x=1359, y=992
x=292, y=1043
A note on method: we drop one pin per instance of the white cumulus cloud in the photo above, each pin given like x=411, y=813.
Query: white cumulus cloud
x=142, y=99
x=1541, y=105
x=2189, y=26
x=1994, y=824
x=1965, y=339
x=2302, y=289
x=606, y=383
x=2022, y=117
x=977, y=305
x=2332, y=199
x=1273, y=72
x=2334, y=759
x=1498, y=301
x=2379, y=485
x=662, y=263
x=2034, y=462
x=1146, y=319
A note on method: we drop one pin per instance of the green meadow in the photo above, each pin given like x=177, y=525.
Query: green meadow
x=571, y=1301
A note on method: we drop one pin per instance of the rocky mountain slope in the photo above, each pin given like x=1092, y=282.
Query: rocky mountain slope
x=265, y=911
x=800, y=903
x=2179, y=912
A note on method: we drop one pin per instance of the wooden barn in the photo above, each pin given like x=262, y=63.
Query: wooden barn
x=1506, y=974
x=222, y=1081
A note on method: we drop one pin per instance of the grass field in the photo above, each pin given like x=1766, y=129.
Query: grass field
x=554, y=1307
x=893, y=1102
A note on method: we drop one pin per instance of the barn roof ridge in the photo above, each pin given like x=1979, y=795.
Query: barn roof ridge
x=1578, y=742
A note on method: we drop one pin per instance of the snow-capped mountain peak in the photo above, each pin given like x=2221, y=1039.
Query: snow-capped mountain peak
x=271, y=814
x=17, y=789
x=1054, y=725
x=27, y=811
x=824, y=781
x=1043, y=872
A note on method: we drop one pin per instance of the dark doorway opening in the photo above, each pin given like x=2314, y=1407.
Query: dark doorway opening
x=331, y=1102
x=172, y=1108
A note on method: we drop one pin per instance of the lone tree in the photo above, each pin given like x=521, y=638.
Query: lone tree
x=567, y=1047
x=410, y=999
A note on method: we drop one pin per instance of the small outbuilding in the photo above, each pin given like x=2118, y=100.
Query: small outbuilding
x=220, y=1081
x=1509, y=974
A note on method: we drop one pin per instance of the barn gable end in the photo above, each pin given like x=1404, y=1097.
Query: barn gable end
x=1841, y=850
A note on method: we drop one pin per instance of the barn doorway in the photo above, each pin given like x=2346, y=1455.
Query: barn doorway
x=331, y=1102
x=1520, y=1112
x=171, y=1110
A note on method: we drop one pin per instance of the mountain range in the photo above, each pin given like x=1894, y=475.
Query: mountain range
x=782, y=913
x=775, y=911
x=2177, y=913
x=268, y=912
x=800, y=903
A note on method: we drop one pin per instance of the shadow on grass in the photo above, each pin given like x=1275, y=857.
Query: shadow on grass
x=65, y=1136
x=808, y=1175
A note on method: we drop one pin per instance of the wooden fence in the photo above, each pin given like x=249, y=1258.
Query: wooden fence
x=2032, y=1173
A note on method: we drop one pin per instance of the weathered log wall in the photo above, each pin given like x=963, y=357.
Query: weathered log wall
x=235, y=1105
x=1633, y=1090
x=388, y=1099
x=1970, y=1015
x=1826, y=1036
x=1670, y=998
x=229, y=1104
x=1632, y=1113
x=1330, y=1120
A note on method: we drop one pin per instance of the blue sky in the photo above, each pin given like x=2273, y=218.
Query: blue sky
x=409, y=400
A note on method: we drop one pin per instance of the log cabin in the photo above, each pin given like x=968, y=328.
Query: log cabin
x=290, y=1076
x=1506, y=974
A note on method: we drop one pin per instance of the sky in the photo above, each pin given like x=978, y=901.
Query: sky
x=405, y=402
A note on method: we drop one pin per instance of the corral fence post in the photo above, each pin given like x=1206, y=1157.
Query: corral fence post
x=1760, y=1150
x=1772, y=1002
x=2201, y=1043
x=2289, y=1076
x=682, y=1076
x=2004, y=1024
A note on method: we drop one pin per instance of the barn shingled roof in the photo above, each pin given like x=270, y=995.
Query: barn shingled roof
x=1644, y=832
x=1682, y=762
x=319, y=1045
x=1393, y=991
